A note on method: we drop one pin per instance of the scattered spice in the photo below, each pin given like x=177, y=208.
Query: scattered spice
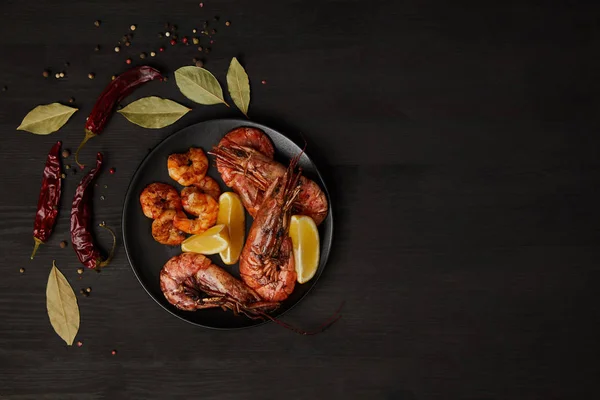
x=143, y=55
x=88, y=289
x=194, y=30
x=114, y=352
x=79, y=344
x=199, y=63
x=127, y=44
x=200, y=48
x=201, y=5
x=105, y=186
x=216, y=18
x=57, y=75
x=128, y=61
x=102, y=197
x=112, y=78
x=97, y=48
x=161, y=49
x=195, y=40
x=67, y=166
x=207, y=50
x=46, y=73
x=84, y=293
x=227, y=23
x=71, y=99
x=212, y=32
x=117, y=49
x=167, y=34
x=63, y=244
x=132, y=27
x=173, y=42
x=212, y=41
x=97, y=23
x=67, y=64
x=152, y=54
x=66, y=153
x=47, y=207
x=112, y=170
x=80, y=270
x=22, y=270
x=91, y=75
x=185, y=40
x=263, y=82
x=62, y=74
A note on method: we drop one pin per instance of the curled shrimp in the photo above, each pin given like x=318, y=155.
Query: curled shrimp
x=164, y=230
x=188, y=168
x=190, y=281
x=158, y=197
x=267, y=260
x=209, y=186
x=199, y=204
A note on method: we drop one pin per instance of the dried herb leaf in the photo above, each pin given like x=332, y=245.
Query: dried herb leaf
x=46, y=119
x=238, y=85
x=62, y=306
x=153, y=112
x=199, y=85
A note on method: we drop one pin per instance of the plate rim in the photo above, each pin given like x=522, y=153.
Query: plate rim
x=128, y=194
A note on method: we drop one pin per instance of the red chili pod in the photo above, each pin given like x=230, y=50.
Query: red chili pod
x=47, y=208
x=81, y=220
x=114, y=92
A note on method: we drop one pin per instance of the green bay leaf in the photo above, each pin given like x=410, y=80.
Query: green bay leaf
x=238, y=85
x=153, y=112
x=46, y=119
x=62, y=307
x=199, y=85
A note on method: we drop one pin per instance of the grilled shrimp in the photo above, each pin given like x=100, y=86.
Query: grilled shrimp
x=185, y=277
x=199, y=204
x=164, y=231
x=158, y=197
x=267, y=260
x=249, y=137
x=188, y=168
x=209, y=186
x=249, y=173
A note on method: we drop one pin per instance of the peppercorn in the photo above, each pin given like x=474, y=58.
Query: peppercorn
x=143, y=55
x=84, y=293
x=263, y=82
x=195, y=40
x=161, y=49
x=194, y=30
x=199, y=63
x=132, y=27
x=22, y=270
x=97, y=23
x=128, y=61
x=66, y=153
x=63, y=176
x=102, y=197
x=114, y=352
x=152, y=54
x=201, y=5
x=127, y=44
x=80, y=271
x=97, y=48
x=57, y=75
x=88, y=289
x=112, y=170
x=91, y=75
x=207, y=50
x=72, y=100
x=200, y=48
x=167, y=34
x=67, y=166
x=62, y=74
x=117, y=49
x=63, y=244
x=184, y=40
x=79, y=344
x=46, y=73
x=227, y=23
x=112, y=78
x=173, y=42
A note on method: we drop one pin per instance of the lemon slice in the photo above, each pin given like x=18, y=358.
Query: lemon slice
x=231, y=214
x=305, y=238
x=213, y=241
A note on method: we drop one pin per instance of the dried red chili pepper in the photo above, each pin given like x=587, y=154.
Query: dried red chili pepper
x=47, y=208
x=114, y=92
x=81, y=219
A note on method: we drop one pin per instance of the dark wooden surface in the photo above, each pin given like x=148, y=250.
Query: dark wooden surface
x=461, y=144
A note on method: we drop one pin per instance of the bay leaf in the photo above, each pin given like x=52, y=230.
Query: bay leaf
x=153, y=112
x=46, y=119
x=238, y=85
x=62, y=307
x=199, y=85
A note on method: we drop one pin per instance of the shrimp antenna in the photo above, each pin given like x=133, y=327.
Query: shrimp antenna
x=328, y=322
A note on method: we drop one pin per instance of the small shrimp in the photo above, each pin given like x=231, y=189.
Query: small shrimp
x=188, y=168
x=200, y=205
x=249, y=137
x=267, y=260
x=164, y=231
x=158, y=197
x=209, y=186
x=184, y=277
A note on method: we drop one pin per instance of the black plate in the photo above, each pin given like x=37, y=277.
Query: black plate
x=147, y=257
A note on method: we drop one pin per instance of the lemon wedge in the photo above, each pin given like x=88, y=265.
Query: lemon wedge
x=305, y=239
x=212, y=241
x=231, y=214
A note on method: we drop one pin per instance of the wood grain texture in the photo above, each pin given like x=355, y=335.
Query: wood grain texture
x=461, y=146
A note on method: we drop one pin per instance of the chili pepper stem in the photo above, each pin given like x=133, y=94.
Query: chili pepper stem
x=88, y=135
x=104, y=263
x=37, y=245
